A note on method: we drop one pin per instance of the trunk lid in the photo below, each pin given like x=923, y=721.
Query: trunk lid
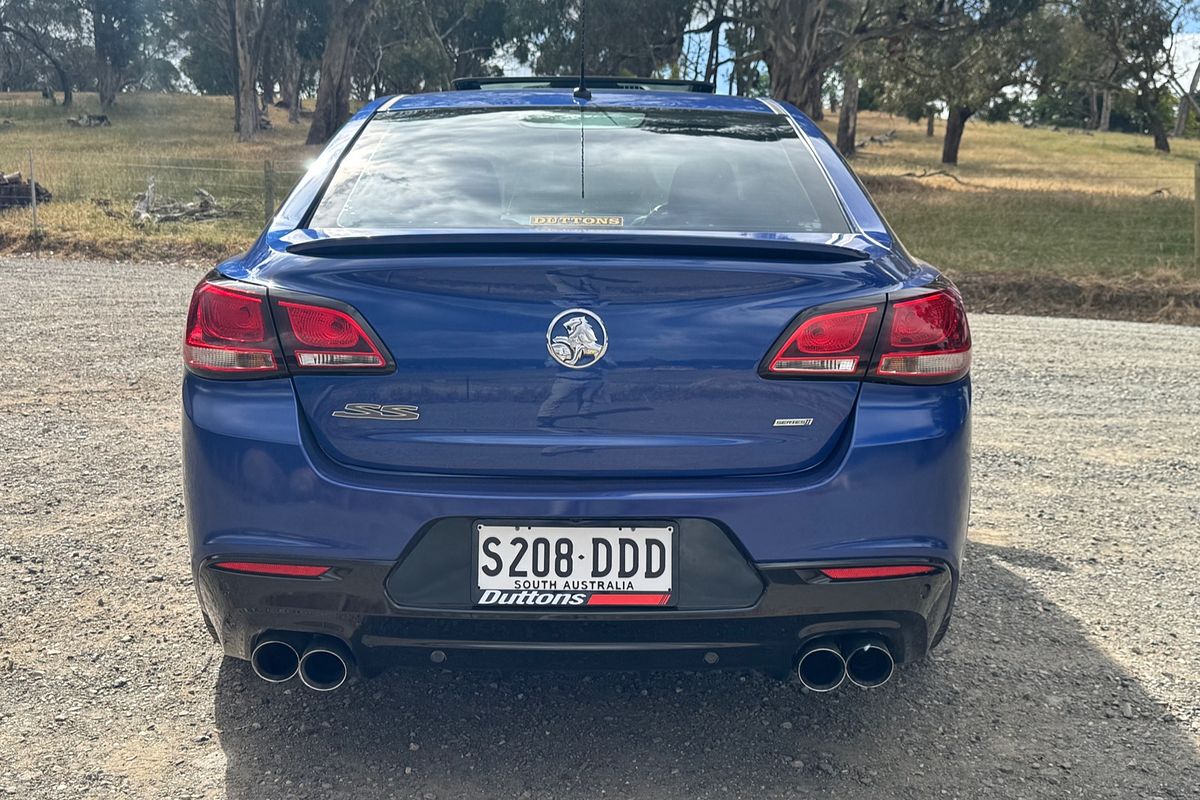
x=677, y=390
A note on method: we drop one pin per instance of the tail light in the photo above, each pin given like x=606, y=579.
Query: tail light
x=229, y=332
x=235, y=330
x=327, y=339
x=925, y=338
x=917, y=338
x=828, y=344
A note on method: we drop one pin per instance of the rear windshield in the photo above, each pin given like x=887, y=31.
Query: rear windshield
x=580, y=168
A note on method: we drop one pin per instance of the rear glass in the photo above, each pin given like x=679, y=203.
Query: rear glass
x=580, y=168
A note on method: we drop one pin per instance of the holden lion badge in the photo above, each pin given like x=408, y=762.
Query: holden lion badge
x=576, y=338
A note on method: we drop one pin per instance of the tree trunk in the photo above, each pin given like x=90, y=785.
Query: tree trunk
x=1185, y=106
x=847, y=129
x=1147, y=100
x=930, y=121
x=290, y=87
x=65, y=84
x=347, y=25
x=956, y=122
x=1094, y=110
x=103, y=35
x=106, y=84
x=1105, y=110
x=791, y=33
x=246, y=87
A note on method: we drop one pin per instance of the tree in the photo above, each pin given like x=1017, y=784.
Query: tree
x=418, y=45
x=803, y=41
x=1137, y=35
x=248, y=20
x=624, y=37
x=964, y=68
x=49, y=28
x=347, y=23
x=118, y=27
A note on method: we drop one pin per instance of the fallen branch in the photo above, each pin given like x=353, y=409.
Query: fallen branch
x=925, y=173
x=150, y=209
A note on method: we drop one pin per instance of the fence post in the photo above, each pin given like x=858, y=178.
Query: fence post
x=33, y=192
x=1196, y=215
x=269, y=191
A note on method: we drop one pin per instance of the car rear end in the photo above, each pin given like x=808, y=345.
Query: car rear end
x=539, y=384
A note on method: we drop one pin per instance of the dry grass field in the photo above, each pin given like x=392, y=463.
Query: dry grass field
x=1036, y=200
x=1022, y=201
x=182, y=141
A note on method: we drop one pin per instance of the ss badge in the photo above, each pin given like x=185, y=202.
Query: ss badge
x=376, y=411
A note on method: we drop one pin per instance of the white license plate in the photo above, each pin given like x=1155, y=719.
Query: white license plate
x=535, y=565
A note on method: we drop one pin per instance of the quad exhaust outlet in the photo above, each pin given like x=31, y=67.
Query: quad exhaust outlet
x=325, y=664
x=275, y=660
x=821, y=666
x=825, y=664
x=322, y=662
x=869, y=662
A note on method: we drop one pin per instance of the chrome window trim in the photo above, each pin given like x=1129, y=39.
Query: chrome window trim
x=779, y=110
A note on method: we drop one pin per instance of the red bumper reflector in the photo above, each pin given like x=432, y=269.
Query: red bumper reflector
x=284, y=570
x=629, y=599
x=866, y=573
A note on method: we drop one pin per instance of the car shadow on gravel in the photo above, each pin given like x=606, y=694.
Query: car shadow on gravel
x=1015, y=703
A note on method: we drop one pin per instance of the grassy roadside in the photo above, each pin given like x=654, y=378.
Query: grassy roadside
x=183, y=142
x=1102, y=218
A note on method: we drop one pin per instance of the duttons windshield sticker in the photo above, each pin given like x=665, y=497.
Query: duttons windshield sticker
x=578, y=220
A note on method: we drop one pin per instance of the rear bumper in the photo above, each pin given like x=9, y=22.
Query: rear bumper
x=257, y=488
x=795, y=605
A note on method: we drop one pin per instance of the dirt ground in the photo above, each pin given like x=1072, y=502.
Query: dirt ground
x=1070, y=670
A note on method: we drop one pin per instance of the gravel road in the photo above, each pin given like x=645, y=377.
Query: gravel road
x=1071, y=669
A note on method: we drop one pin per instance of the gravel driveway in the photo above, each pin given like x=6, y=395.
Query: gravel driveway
x=1071, y=669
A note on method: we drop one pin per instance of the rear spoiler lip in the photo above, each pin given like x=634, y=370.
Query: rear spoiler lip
x=827, y=248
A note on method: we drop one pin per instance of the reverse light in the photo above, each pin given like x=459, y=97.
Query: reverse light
x=228, y=333
x=871, y=573
x=279, y=570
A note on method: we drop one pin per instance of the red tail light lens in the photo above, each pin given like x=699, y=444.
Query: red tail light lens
x=327, y=338
x=873, y=573
x=827, y=344
x=926, y=338
x=229, y=334
x=281, y=570
x=915, y=338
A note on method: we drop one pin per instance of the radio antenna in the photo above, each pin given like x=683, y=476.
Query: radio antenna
x=581, y=91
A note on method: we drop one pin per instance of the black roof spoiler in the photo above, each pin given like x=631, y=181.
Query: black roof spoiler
x=648, y=244
x=593, y=82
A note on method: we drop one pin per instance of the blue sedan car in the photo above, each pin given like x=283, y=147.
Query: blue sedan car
x=522, y=377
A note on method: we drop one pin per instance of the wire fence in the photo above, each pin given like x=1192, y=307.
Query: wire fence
x=243, y=189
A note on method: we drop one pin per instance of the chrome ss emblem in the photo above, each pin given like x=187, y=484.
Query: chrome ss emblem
x=577, y=338
x=376, y=411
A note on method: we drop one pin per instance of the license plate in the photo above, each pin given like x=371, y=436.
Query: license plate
x=553, y=566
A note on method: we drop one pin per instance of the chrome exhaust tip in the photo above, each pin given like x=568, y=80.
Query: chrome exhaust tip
x=274, y=660
x=325, y=664
x=869, y=662
x=821, y=667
